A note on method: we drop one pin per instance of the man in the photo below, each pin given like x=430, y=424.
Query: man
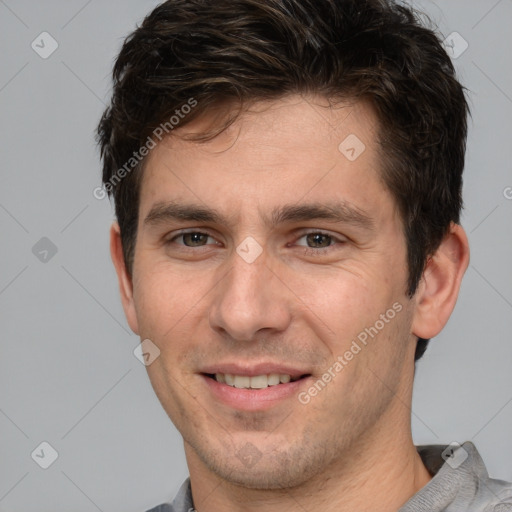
x=287, y=181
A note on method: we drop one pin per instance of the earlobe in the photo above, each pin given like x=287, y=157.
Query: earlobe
x=125, y=280
x=439, y=288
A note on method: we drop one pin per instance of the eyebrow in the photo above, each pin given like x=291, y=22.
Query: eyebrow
x=336, y=212
x=339, y=212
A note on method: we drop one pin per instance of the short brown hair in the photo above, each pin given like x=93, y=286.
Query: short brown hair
x=248, y=50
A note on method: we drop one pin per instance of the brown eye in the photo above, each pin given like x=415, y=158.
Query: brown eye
x=318, y=240
x=194, y=239
x=318, y=243
x=191, y=239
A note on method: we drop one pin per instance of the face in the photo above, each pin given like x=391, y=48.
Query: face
x=270, y=271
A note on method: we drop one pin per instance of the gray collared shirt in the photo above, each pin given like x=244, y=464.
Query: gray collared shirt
x=459, y=484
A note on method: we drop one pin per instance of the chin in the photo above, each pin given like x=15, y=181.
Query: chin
x=268, y=477
x=271, y=469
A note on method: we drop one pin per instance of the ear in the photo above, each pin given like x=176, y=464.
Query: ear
x=125, y=280
x=440, y=284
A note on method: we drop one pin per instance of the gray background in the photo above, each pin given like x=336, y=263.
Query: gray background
x=68, y=375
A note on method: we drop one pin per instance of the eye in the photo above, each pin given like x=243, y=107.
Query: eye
x=318, y=240
x=191, y=239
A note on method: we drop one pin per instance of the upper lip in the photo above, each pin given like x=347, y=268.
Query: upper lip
x=252, y=370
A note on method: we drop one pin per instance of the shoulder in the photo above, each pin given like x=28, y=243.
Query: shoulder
x=499, y=495
x=181, y=503
x=165, y=507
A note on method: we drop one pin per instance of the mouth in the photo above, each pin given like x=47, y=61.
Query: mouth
x=254, y=386
x=254, y=382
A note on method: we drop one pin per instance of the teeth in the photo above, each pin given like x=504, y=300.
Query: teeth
x=259, y=382
x=256, y=382
x=273, y=379
x=242, y=381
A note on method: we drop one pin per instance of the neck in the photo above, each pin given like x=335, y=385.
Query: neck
x=380, y=470
x=381, y=476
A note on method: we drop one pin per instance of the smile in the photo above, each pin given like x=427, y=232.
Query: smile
x=255, y=382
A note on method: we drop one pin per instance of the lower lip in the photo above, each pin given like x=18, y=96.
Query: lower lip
x=253, y=399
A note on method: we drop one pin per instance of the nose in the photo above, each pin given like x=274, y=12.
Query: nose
x=250, y=299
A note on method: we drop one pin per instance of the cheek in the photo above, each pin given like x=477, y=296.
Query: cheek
x=344, y=300
x=162, y=297
x=347, y=307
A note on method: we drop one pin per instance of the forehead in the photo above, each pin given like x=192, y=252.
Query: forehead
x=290, y=150
x=281, y=124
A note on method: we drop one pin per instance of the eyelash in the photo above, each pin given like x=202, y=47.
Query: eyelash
x=309, y=251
